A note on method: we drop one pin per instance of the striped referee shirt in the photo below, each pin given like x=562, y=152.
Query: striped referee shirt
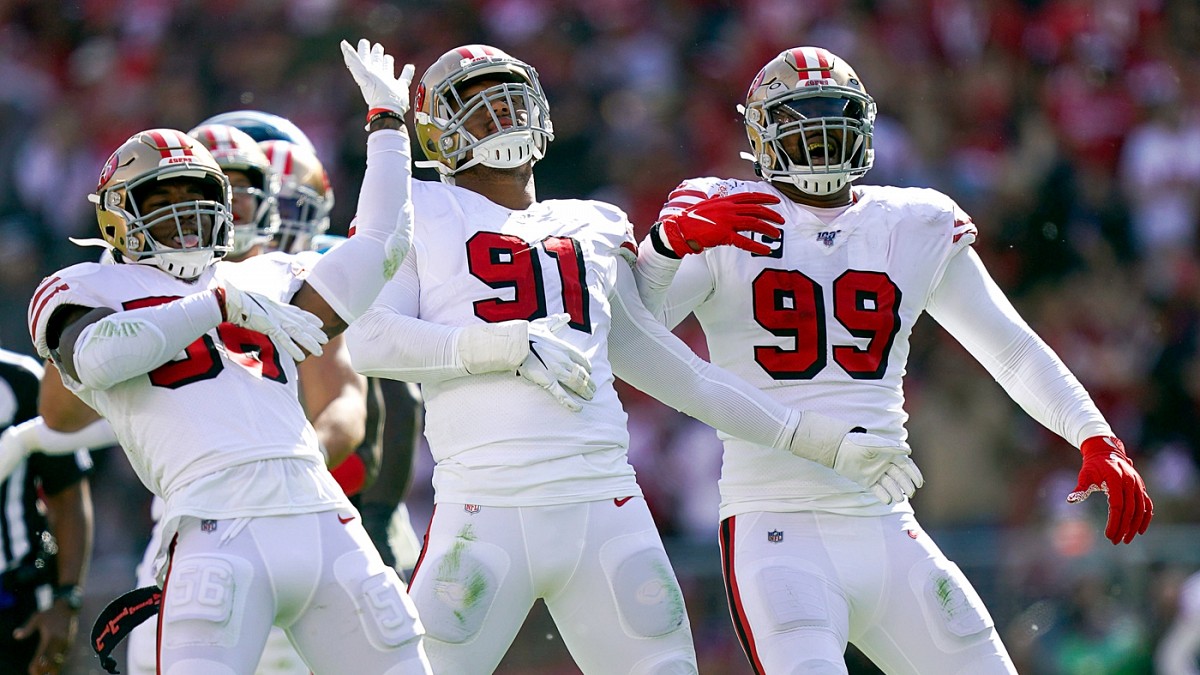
x=22, y=524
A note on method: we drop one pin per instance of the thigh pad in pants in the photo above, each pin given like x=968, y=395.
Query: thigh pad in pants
x=643, y=584
x=456, y=590
x=953, y=610
x=205, y=600
x=793, y=596
x=387, y=616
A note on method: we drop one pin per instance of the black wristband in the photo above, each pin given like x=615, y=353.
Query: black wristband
x=385, y=113
x=72, y=594
x=656, y=240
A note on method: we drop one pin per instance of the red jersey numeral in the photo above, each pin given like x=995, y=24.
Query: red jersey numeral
x=503, y=261
x=789, y=304
x=201, y=360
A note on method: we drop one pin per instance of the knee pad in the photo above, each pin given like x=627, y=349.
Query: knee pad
x=952, y=608
x=456, y=590
x=643, y=584
x=387, y=615
x=205, y=599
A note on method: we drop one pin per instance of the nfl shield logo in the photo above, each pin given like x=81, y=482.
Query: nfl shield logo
x=471, y=508
x=775, y=536
x=208, y=526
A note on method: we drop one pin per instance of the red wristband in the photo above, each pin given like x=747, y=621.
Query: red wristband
x=220, y=293
x=1103, y=445
x=351, y=475
x=374, y=113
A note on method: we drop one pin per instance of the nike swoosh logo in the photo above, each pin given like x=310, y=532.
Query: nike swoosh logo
x=345, y=520
x=621, y=502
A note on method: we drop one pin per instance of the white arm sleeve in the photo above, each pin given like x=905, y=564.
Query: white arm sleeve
x=127, y=344
x=350, y=275
x=648, y=356
x=670, y=288
x=389, y=341
x=973, y=309
x=35, y=436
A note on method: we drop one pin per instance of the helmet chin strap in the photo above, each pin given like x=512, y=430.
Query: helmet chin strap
x=819, y=185
x=186, y=265
x=504, y=151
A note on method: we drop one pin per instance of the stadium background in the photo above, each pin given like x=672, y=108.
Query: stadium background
x=1069, y=129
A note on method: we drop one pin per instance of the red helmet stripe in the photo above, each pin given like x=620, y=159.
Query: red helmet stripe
x=174, y=144
x=811, y=58
x=280, y=161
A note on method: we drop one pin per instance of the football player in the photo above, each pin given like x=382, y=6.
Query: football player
x=193, y=361
x=332, y=394
x=819, y=317
x=515, y=315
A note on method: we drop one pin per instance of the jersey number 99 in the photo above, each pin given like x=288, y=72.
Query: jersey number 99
x=789, y=304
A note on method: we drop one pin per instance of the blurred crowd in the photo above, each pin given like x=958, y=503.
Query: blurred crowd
x=1069, y=129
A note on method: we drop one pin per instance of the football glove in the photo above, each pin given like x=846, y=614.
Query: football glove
x=288, y=326
x=557, y=365
x=877, y=464
x=1106, y=468
x=880, y=465
x=718, y=221
x=374, y=71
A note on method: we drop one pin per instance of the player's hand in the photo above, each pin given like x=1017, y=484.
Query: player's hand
x=55, y=629
x=557, y=365
x=374, y=71
x=880, y=465
x=718, y=221
x=1107, y=469
x=288, y=326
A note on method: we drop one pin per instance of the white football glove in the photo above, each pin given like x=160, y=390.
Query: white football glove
x=878, y=464
x=288, y=326
x=374, y=71
x=882, y=466
x=557, y=365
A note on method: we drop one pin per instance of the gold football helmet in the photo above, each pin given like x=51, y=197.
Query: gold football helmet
x=441, y=112
x=810, y=121
x=235, y=150
x=202, y=228
x=305, y=196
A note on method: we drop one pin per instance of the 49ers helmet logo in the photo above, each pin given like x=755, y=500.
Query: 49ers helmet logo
x=110, y=167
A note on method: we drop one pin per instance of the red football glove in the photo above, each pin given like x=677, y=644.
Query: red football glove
x=717, y=221
x=1106, y=468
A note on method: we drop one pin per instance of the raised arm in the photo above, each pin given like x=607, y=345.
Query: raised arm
x=346, y=280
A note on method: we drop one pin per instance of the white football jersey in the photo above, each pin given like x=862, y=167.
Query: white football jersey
x=207, y=409
x=499, y=439
x=831, y=308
